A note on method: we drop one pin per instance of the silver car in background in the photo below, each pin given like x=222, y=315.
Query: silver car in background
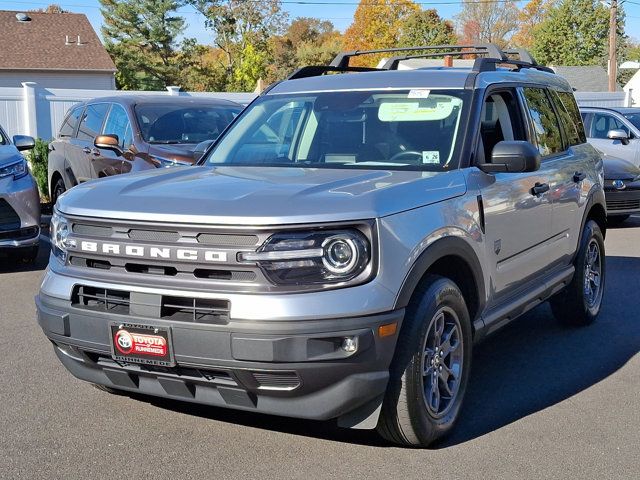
x=614, y=131
x=19, y=200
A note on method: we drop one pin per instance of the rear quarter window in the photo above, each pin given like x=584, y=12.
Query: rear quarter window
x=570, y=117
x=545, y=121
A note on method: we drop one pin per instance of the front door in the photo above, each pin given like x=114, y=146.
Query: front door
x=85, y=153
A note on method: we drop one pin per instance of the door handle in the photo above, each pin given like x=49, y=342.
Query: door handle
x=579, y=176
x=96, y=152
x=86, y=150
x=539, y=188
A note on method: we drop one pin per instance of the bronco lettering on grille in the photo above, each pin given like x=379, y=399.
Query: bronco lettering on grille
x=213, y=256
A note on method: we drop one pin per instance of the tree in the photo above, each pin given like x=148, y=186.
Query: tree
x=575, y=32
x=529, y=17
x=487, y=22
x=141, y=37
x=377, y=25
x=53, y=8
x=425, y=27
x=241, y=28
x=202, y=67
x=307, y=41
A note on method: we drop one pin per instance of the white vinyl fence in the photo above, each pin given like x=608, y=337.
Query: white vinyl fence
x=39, y=112
x=604, y=99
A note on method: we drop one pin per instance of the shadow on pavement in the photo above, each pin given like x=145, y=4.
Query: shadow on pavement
x=10, y=264
x=530, y=365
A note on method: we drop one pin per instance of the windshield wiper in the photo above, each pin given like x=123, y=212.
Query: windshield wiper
x=166, y=142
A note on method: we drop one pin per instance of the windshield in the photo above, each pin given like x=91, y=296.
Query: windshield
x=634, y=118
x=166, y=123
x=416, y=129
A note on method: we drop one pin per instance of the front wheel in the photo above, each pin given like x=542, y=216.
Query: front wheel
x=579, y=304
x=430, y=370
x=58, y=189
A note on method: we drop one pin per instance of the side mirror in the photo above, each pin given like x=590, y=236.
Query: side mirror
x=23, y=142
x=200, y=149
x=108, y=142
x=513, y=157
x=618, y=134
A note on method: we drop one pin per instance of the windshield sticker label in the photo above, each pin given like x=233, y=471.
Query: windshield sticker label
x=430, y=156
x=436, y=107
x=419, y=93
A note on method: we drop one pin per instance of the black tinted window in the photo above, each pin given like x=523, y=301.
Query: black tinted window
x=69, y=125
x=92, y=120
x=117, y=123
x=166, y=123
x=570, y=117
x=545, y=121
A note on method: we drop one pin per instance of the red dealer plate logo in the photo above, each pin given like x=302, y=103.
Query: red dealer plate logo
x=141, y=344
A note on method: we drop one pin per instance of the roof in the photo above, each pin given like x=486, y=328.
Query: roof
x=621, y=110
x=41, y=43
x=424, y=78
x=164, y=99
x=589, y=78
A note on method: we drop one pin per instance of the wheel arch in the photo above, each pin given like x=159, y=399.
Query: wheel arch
x=453, y=258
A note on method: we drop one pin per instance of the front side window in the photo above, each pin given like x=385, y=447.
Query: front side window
x=69, y=125
x=634, y=118
x=117, y=123
x=178, y=123
x=410, y=129
x=91, y=123
x=602, y=123
x=570, y=117
x=545, y=122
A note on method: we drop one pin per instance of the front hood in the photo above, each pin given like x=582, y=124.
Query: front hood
x=619, y=169
x=9, y=154
x=259, y=195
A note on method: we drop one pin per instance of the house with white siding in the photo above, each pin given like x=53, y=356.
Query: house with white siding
x=54, y=50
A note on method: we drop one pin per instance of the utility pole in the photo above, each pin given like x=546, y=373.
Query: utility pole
x=613, y=36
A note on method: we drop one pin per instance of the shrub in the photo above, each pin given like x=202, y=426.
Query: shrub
x=39, y=159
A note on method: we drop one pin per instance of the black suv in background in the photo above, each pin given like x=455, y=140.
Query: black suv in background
x=113, y=135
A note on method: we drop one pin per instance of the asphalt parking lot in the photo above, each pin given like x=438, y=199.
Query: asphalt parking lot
x=544, y=402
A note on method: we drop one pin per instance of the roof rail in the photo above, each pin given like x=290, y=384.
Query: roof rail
x=489, y=49
x=317, y=70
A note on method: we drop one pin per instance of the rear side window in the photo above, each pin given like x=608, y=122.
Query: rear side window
x=92, y=120
x=117, y=123
x=545, y=122
x=69, y=125
x=570, y=117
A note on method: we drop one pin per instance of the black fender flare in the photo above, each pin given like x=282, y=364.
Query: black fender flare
x=596, y=197
x=446, y=246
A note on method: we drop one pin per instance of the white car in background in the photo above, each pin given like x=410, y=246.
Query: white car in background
x=614, y=131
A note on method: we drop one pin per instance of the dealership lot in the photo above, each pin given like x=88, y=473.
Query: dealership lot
x=544, y=401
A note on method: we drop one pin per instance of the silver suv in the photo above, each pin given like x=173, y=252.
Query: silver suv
x=340, y=247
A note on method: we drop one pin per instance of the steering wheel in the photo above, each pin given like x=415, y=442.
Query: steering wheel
x=405, y=153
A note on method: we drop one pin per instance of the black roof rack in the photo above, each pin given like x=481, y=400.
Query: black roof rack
x=488, y=56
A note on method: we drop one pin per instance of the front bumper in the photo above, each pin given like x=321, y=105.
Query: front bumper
x=20, y=212
x=623, y=202
x=292, y=368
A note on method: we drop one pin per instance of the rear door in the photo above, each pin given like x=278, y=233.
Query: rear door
x=83, y=150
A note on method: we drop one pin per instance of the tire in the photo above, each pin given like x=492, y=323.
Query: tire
x=617, y=220
x=579, y=304
x=58, y=189
x=410, y=415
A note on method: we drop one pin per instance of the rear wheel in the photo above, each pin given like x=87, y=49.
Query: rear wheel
x=579, y=304
x=58, y=189
x=431, y=367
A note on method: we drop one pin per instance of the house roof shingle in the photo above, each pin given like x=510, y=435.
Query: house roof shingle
x=40, y=44
x=590, y=78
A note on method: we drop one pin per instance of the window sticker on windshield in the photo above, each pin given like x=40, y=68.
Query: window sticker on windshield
x=419, y=93
x=436, y=107
x=430, y=156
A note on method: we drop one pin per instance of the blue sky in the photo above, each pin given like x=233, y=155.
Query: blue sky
x=340, y=15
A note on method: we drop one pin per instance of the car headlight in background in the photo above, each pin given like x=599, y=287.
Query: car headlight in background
x=60, y=241
x=168, y=163
x=17, y=169
x=312, y=258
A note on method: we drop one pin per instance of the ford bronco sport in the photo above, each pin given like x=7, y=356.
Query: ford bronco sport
x=340, y=247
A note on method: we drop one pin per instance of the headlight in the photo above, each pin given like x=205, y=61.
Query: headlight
x=60, y=230
x=168, y=163
x=311, y=258
x=17, y=169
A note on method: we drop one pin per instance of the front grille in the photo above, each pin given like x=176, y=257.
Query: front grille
x=92, y=230
x=9, y=219
x=276, y=380
x=613, y=205
x=180, y=309
x=154, y=236
x=228, y=240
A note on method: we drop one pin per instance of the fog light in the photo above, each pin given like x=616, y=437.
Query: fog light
x=349, y=344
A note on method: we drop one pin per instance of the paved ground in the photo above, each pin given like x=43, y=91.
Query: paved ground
x=544, y=402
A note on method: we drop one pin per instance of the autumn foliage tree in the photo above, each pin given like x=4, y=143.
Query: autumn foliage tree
x=487, y=22
x=426, y=27
x=531, y=15
x=377, y=25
